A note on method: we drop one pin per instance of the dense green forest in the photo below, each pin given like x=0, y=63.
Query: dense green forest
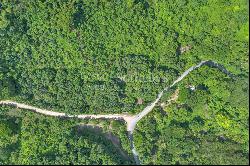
x=104, y=56
x=28, y=138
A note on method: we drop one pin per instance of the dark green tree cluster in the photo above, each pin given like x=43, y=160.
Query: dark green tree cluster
x=207, y=125
x=103, y=56
x=70, y=55
x=35, y=139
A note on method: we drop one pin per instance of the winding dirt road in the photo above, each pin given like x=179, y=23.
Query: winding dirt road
x=131, y=120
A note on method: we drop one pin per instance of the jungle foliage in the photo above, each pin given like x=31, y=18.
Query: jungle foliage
x=28, y=138
x=102, y=56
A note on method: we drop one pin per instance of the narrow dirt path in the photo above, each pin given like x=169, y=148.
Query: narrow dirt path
x=131, y=126
x=129, y=119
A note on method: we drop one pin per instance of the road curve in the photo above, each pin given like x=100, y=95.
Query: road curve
x=131, y=126
x=149, y=108
x=129, y=119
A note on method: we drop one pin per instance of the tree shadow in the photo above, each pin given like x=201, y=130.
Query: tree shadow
x=144, y=3
x=79, y=17
x=108, y=141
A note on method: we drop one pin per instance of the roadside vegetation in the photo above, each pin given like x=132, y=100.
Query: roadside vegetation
x=114, y=56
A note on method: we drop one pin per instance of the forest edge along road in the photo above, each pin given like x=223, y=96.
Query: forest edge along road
x=131, y=120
